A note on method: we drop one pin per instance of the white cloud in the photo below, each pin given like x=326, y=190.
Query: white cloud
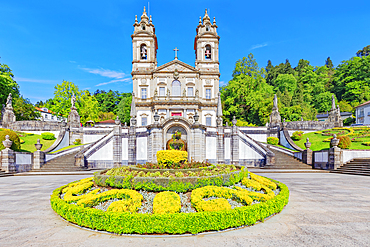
x=222, y=83
x=113, y=81
x=258, y=46
x=21, y=79
x=106, y=73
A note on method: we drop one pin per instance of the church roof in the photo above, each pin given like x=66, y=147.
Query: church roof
x=167, y=67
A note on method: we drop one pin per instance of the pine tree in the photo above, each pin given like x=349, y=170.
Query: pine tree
x=329, y=63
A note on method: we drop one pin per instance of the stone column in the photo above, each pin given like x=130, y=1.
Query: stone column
x=234, y=144
x=335, y=154
x=156, y=141
x=307, y=154
x=198, y=148
x=220, y=145
x=117, y=144
x=7, y=156
x=38, y=156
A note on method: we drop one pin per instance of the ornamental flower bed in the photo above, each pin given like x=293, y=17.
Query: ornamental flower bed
x=206, y=208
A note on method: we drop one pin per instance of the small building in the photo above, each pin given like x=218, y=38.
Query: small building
x=324, y=116
x=105, y=123
x=363, y=114
x=47, y=115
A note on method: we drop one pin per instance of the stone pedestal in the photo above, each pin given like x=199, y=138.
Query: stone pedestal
x=8, y=160
x=117, y=145
x=270, y=158
x=220, y=145
x=74, y=118
x=335, y=158
x=38, y=159
x=234, y=144
x=132, y=145
x=156, y=143
x=307, y=156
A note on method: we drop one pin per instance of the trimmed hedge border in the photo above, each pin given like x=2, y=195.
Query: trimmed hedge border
x=174, y=223
x=178, y=184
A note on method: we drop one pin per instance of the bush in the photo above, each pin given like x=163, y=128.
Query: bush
x=366, y=143
x=167, y=158
x=272, y=140
x=77, y=142
x=47, y=136
x=297, y=135
x=16, y=146
x=344, y=142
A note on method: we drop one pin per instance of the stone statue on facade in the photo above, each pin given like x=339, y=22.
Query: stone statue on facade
x=73, y=100
x=73, y=116
x=8, y=116
x=275, y=118
x=9, y=101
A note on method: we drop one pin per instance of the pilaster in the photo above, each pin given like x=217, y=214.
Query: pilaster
x=117, y=144
x=234, y=144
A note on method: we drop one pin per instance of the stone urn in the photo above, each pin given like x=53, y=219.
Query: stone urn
x=38, y=145
x=334, y=142
x=307, y=144
x=7, y=143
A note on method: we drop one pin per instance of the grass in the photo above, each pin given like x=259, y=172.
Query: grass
x=317, y=139
x=66, y=148
x=30, y=140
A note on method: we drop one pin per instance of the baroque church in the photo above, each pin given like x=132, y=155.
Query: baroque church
x=175, y=89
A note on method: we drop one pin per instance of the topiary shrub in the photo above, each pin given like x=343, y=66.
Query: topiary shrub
x=344, y=142
x=272, y=140
x=168, y=158
x=297, y=135
x=16, y=146
x=47, y=136
x=77, y=142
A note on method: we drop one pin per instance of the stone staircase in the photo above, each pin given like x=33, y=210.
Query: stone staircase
x=285, y=161
x=64, y=163
x=5, y=174
x=358, y=166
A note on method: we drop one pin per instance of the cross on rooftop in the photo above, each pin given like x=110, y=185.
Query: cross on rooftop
x=176, y=50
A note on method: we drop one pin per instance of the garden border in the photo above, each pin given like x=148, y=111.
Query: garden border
x=175, y=223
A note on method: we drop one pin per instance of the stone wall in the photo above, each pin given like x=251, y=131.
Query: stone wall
x=36, y=126
x=308, y=125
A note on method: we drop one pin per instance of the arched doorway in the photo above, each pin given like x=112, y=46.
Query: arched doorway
x=173, y=130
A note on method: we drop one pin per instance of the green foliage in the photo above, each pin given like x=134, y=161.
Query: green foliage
x=24, y=109
x=13, y=136
x=297, y=135
x=348, y=121
x=108, y=101
x=364, y=51
x=272, y=140
x=173, y=223
x=77, y=142
x=7, y=84
x=47, y=136
x=124, y=108
x=344, y=142
x=87, y=106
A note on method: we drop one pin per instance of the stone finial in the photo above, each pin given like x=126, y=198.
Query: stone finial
x=206, y=17
x=227, y=124
x=125, y=124
x=133, y=107
x=214, y=20
x=150, y=19
x=284, y=120
x=38, y=145
x=301, y=118
x=144, y=16
x=117, y=121
x=7, y=142
x=334, y=142
x=135, y=19
x=200, y=21
x=275, y=106
x=307, y=143
x=234, y=121
x=219, y=106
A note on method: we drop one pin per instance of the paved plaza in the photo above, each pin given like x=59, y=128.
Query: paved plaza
x=324, y=210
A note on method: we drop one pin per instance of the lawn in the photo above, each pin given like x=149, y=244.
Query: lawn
x=358, y=135
x=65, y=148
x=30, y=140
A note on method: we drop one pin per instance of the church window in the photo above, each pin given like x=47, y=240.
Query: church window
x=143, y=27
x=144, y=121
x=208, y=52
x=208, y=93
x=162, y=91
x=176, y=88
x=207, y=28
x=143, y=52
x=190, y=91
x=208, y=121
x=143, y=93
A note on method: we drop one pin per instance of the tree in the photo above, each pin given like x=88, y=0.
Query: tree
x=286, y=82
x=247, y=96
x=108, y=101
x=124, y=108
x=88, y=107
x=24, y=109
x=329, y=63
x=364, y=52
x=7, y=84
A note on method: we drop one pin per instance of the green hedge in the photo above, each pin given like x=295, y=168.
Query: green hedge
x=13, y=136
x=178, y=184
x=175, y=223
x=47, y=136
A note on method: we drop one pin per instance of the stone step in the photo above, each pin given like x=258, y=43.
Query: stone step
x=357, y=166
x=5, y=174
x=62, y=163
x=352, y=173
x=285, y=161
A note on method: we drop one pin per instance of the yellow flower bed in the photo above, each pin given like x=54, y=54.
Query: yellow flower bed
x=251, y=184
x=72, y=191
x=132, y=195
x=263, y=181
x=166, y=202
x=128, y=205
x=200, y=205
x=166, y=157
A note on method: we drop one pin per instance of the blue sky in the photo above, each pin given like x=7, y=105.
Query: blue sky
x=89, y=42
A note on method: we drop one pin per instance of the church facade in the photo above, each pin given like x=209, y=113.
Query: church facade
x=175, y=89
